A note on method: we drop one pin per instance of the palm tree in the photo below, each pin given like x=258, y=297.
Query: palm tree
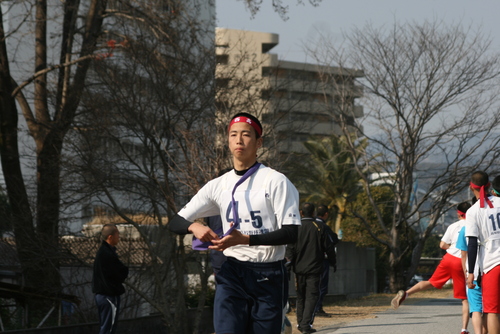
x=328, y=175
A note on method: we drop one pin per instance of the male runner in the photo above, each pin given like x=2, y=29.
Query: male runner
x=252, y=287
x=483, y=224
x=474, y=296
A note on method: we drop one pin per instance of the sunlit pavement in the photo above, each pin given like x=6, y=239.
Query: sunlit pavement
x=430, y=316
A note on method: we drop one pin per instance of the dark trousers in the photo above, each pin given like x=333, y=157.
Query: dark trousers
x=250, y=297
x=307, y=297
x=108, y=308
x=323, y=285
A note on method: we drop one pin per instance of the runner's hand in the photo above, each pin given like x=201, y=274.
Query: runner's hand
x=470, y=281
x=233, y=239
x=202, y=232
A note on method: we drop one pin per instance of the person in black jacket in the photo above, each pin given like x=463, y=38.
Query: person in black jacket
x=107, y=279
x=306, y=257
x=321, y=218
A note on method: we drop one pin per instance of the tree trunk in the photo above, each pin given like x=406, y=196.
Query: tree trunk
x=28, y=247
x=396, y=277
x=415, y=259
x=48, y=198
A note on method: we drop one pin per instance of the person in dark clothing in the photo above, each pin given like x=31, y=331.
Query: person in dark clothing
x=107, y=279
x=321, y=218
x=306, y=257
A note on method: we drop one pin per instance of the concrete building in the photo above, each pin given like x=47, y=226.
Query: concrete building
x=297, y=99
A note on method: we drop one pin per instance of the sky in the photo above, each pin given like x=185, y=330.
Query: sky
x=335, y=16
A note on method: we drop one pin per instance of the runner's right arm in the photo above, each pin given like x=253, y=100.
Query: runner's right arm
x=472, y=253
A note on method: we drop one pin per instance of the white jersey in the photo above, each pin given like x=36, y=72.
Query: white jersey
x=484, y=223
x=266, y=201
x=451, y=237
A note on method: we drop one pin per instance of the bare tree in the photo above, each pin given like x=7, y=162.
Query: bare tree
x=431, y=96
x=143, y=139
x=48, y=104
x=152, y=130
x=254, y=6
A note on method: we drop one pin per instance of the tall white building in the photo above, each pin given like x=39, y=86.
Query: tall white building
x=298, y=99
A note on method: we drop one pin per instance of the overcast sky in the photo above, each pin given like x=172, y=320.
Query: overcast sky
x=336, y=16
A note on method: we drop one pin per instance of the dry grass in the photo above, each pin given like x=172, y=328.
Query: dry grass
x=362, y=308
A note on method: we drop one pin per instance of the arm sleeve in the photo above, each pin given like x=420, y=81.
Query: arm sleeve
x=179, y=225
x=461, y=241
x=122, y=271
x=329, y=246
x=202, y=204
x=472, y=253
x=112, y=268
x=290, y=252
x=332, y=236
x=285, y=235
x=285, y=201
x=447, y=235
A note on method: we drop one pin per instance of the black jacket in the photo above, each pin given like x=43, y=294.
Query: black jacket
x=109, y=272
x=313, y=242
x=334, y=238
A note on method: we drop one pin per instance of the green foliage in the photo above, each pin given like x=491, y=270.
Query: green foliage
x=431, y=247
x=355, y=230
x=328, y=175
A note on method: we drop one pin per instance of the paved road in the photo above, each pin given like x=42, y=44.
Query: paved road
x=440, y=316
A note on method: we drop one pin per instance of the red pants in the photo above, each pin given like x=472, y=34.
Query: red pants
x=450, y=267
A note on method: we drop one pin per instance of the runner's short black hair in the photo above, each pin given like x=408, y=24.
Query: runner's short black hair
x=464, y=206
x=479, y=178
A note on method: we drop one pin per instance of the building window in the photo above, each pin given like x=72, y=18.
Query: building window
x=267, y=71
x=222, y=59
x=300, y=137
x=265, y=94
x=222, y=82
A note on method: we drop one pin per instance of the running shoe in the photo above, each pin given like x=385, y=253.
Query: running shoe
x=400, y=297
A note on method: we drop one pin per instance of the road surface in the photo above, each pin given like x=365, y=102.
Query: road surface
x=430, y=316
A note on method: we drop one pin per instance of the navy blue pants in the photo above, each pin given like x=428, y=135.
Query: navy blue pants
x=250, y=297
x=108, y=308
x=323, y=285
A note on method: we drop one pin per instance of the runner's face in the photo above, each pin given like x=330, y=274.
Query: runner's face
x=243, y=143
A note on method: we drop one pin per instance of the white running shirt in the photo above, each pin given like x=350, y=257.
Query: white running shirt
x=484, y=223
x=266, y=201
x=451, y=237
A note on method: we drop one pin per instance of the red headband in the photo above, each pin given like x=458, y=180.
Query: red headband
x=482, y=197
x=460, y=213
x=246, y=120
